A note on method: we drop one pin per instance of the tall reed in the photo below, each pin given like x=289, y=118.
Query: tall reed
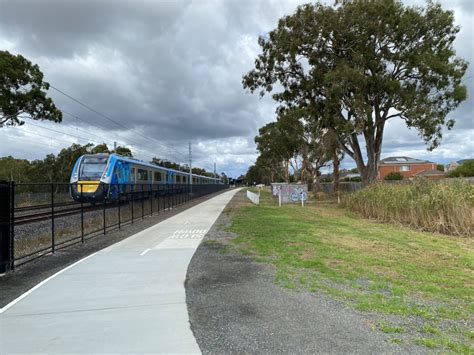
x=434, y=206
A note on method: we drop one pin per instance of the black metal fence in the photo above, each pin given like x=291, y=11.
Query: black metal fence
x=39, y=219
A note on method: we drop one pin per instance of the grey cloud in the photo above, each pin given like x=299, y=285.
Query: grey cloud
x=170, y=69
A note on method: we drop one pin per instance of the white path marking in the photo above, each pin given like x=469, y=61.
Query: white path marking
x=145, y=251
x=18, y=299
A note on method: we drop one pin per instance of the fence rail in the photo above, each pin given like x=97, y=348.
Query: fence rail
x=39, y=219
x=255, y=198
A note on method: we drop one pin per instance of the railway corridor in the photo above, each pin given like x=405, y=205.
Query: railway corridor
x=127, y=298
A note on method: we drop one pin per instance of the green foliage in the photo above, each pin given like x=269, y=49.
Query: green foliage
x=22, y=91
x=101, y=148
x=12, y=169
x=185, y=168
x=444, y=207
x=123, y=151
x=464, y=170
x=394, y=175
x=440, y=167
x=353, y=179
x=389, y=328
x=168, y=164
x=345, y=72
x=326, y=179
x=50, y=169
x=265, y=171
x=58, y=168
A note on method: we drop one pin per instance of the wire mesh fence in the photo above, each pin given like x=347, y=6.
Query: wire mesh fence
x=39, y=219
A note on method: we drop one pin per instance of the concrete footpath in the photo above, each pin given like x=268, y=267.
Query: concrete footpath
x=127, y=298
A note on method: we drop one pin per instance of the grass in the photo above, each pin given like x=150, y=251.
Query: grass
x=426, y=205
x=371, y=266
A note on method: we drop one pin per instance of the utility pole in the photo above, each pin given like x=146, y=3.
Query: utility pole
x=190, y=170
x=115, y=146
x=215, y=174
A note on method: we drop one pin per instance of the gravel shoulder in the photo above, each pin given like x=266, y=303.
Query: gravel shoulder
x=15, y=283
x=235, y=307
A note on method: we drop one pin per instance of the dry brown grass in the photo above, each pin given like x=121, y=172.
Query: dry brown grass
x=424, y=205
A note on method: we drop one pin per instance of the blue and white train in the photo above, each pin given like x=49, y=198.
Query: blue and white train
x=96, y=177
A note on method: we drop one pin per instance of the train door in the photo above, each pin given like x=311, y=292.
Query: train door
x=170, y=176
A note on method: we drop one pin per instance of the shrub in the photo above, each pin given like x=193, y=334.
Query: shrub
x=393, y=176
x=464, y=170
x=426, y=205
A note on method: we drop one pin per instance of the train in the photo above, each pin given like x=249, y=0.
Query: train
x=99, y=177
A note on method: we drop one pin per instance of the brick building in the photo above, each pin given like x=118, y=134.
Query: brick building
x=406, y=166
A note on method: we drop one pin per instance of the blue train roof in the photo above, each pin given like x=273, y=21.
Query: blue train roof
x=143, y=163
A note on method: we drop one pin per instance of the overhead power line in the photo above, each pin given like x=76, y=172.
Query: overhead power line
x=124, y=139
x=60, y=132
x=112, y=120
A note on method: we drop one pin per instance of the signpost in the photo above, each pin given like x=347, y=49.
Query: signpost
x=290, y=193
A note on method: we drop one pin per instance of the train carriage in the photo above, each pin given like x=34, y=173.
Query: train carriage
x=99, y=177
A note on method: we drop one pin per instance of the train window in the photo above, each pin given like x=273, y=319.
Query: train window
x=178, y=178
x=150, y=176
x=158, y=176
x=184, y=179
x=142, y=175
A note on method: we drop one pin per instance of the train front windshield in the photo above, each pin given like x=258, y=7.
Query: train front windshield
x=92, y=168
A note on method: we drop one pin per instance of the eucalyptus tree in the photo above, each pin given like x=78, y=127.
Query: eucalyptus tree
x=277, y=146
x=23, y=91
x=356, y=65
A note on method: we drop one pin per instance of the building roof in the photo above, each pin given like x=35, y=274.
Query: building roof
x=430, y=172
x=351, y=175
x=402, y=160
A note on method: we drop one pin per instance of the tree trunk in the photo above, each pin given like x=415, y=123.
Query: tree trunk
x=317, y=183
x=368, y=172
x=336, y=163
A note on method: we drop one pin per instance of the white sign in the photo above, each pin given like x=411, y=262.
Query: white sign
x=290, y=193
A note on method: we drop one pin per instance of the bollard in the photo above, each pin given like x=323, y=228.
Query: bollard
x=6, y=242
x=279, y=199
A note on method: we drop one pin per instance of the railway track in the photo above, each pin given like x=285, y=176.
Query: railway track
x=62, y=210
x=45, y=206
x=47, y=215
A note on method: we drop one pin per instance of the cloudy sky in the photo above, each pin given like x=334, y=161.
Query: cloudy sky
x=170, y=71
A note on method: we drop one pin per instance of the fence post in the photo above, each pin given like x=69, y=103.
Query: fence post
x=132, y=201
x=143, y=203
x=6, y=240
x=158, y=197
x=150, y=196
x=119, y=202
x=12, y=226
x=53, y=246
x=82, y=212
x=103, y=210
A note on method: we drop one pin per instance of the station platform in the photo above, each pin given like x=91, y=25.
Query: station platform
x=127, y=298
